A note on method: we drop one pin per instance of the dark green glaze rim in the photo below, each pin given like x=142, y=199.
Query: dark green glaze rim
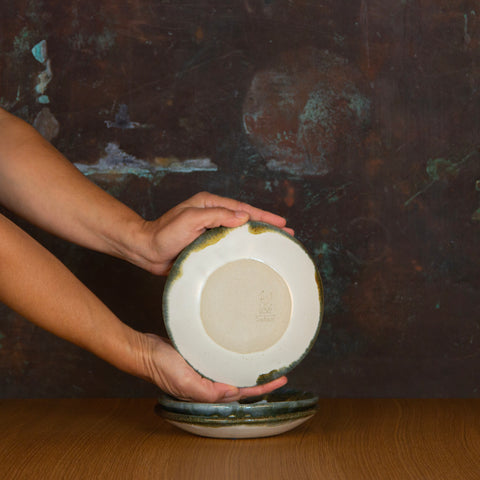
x=234, y=421
x=280, y=402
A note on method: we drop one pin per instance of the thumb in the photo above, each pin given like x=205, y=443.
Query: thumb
x=222, y=217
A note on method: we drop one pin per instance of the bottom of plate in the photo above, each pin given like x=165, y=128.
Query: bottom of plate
x=240, y=431
x=237, y=429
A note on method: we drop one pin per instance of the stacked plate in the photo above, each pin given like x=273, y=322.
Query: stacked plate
x=243, y=306
x=269, y=415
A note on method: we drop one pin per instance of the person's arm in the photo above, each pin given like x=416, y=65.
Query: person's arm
x=38, y=286
x=40, y=185
x=34, y=283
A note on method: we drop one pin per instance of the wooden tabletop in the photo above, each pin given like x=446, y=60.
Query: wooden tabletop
x=347, y=439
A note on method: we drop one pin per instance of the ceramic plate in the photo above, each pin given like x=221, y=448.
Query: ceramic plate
x=243, y=305
x=279, y=402
x=206, y=426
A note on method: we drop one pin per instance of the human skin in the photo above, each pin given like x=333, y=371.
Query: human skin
x=40, y=185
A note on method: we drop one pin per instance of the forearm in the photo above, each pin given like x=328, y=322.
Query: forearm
x=40, y=185
x=40, y=288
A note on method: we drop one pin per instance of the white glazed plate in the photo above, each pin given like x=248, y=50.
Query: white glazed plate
x=243, y=305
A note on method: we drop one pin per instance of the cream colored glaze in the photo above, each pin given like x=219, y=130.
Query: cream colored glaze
x=245, y=306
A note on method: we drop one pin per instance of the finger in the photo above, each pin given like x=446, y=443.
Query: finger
x=209, y=200
x=206, y=391
x=263, y=389
x=258, y=390
x=196, y=220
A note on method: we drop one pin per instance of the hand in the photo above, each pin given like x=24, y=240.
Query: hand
x=166, y=368
x=163, y=239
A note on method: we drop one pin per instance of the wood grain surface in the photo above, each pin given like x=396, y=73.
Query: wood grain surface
x=347, y=439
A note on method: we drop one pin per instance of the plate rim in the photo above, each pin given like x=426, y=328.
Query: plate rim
x=234, y=421
x=308, y=400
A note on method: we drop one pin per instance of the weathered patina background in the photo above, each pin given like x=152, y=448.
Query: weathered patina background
x=357, y=120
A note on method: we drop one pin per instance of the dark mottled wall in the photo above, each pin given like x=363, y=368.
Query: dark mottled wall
x=357, y=120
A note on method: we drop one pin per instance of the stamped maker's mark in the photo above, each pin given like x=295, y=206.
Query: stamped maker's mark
x=265, y=311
